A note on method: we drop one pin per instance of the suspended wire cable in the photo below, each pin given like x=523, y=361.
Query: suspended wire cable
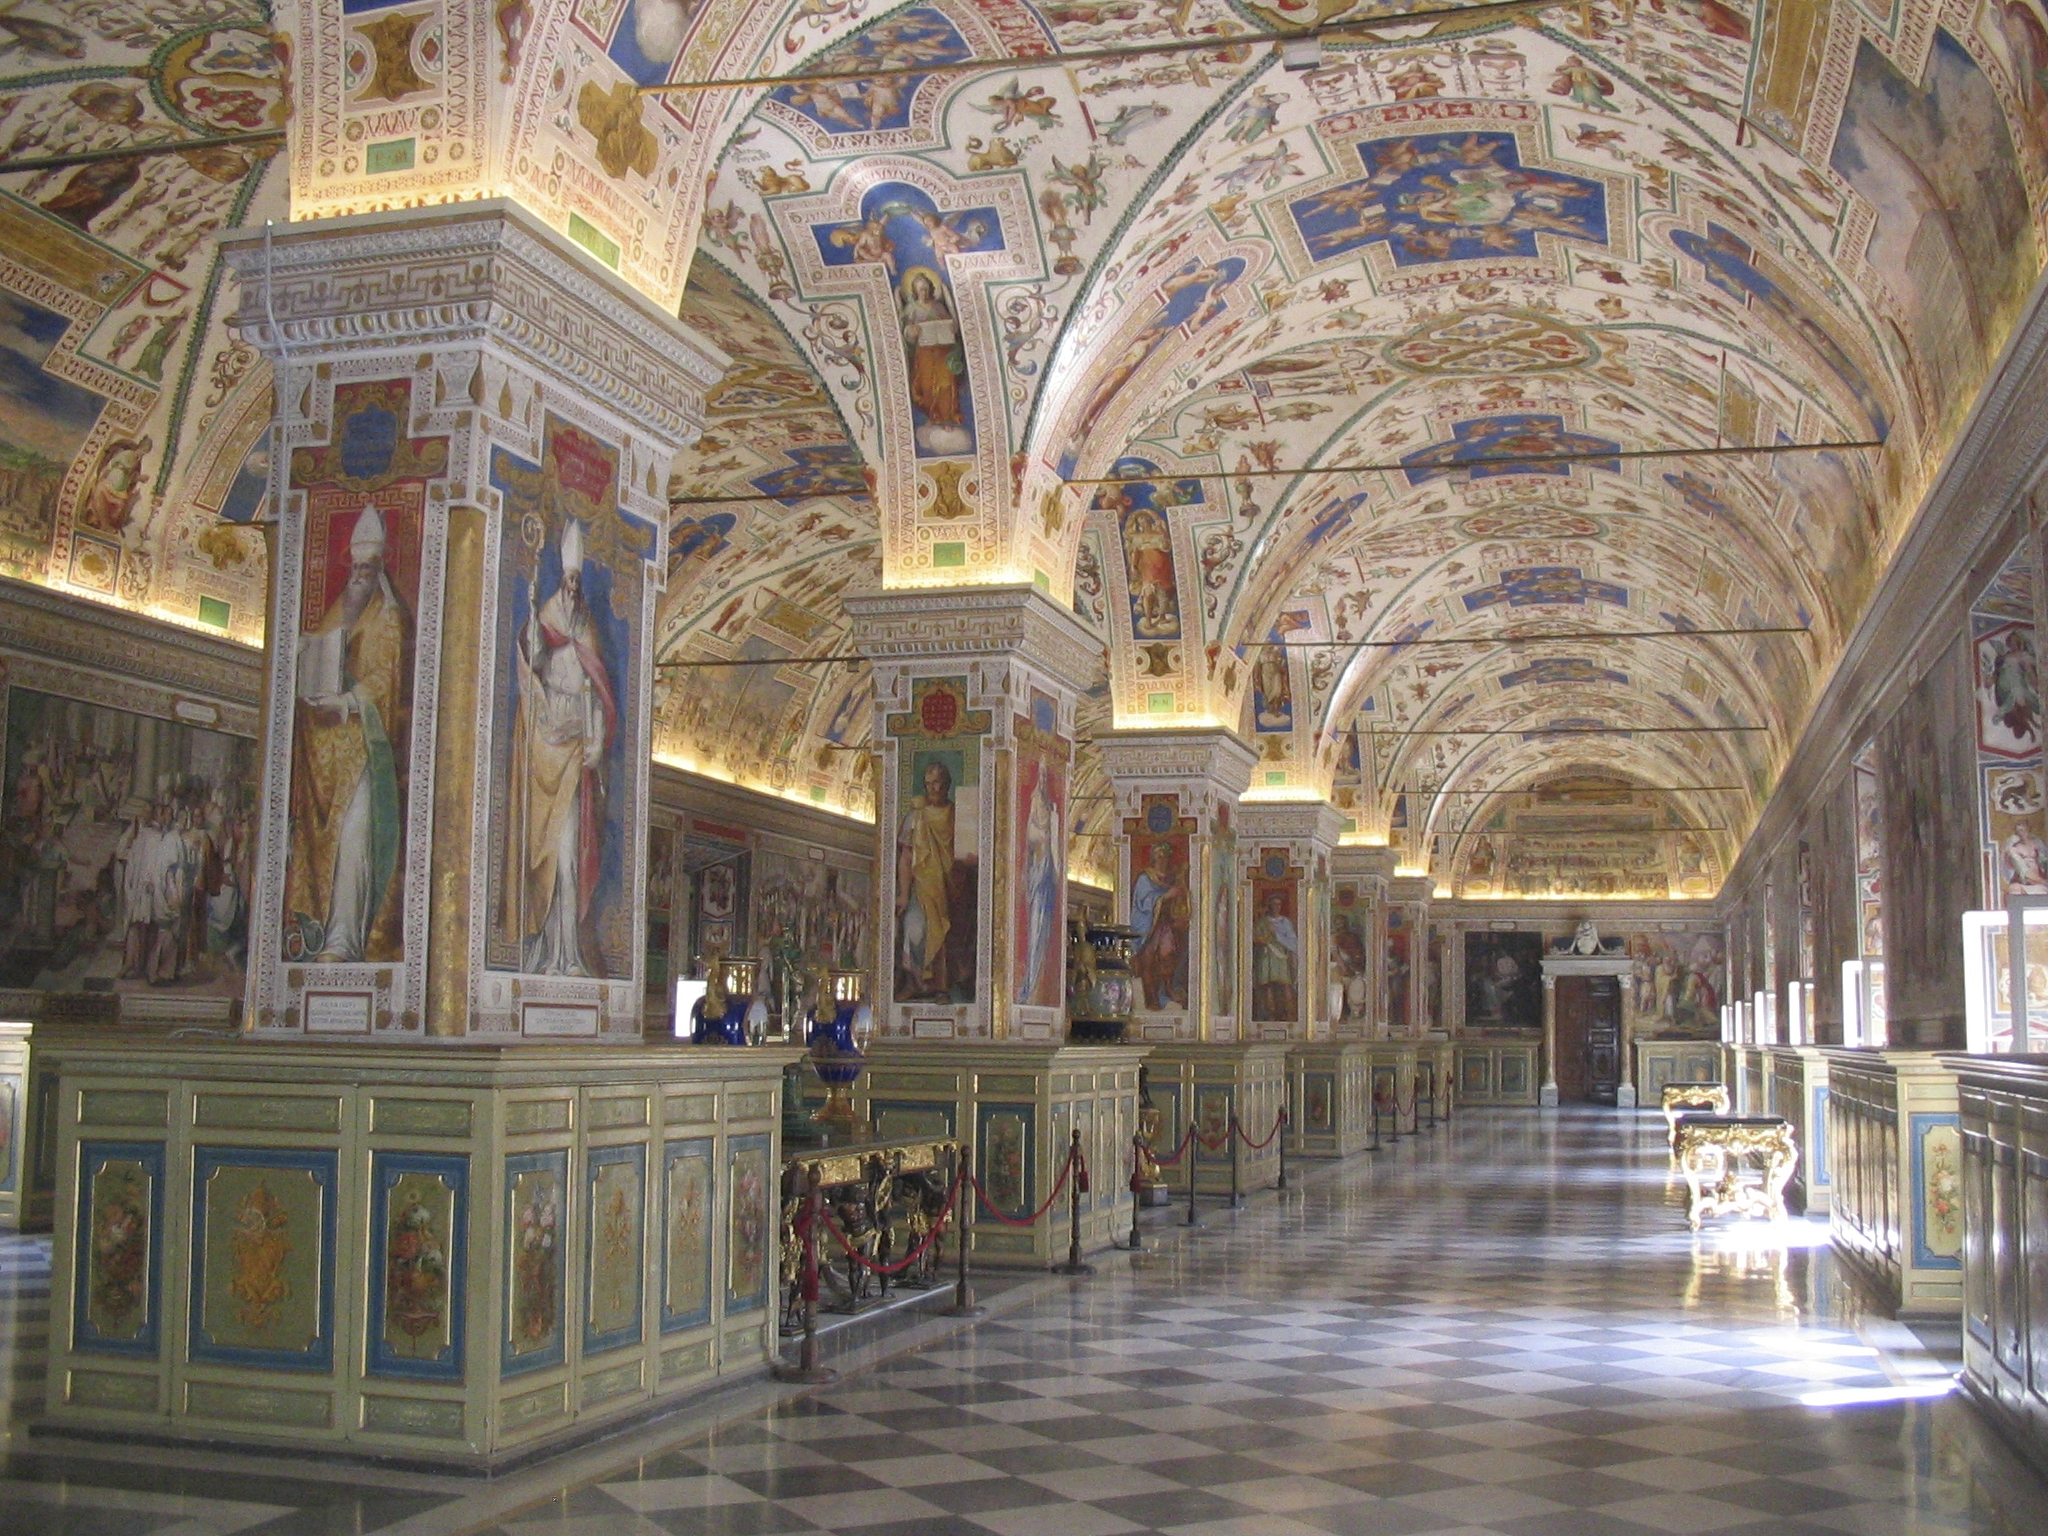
x=1362, y=29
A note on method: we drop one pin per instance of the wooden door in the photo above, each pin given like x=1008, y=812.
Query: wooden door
x=1588, y=1038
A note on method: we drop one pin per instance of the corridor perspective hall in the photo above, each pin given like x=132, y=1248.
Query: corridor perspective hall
x=1023, y=767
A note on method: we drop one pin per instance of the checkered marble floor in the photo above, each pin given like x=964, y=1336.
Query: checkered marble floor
x=1502, y=1326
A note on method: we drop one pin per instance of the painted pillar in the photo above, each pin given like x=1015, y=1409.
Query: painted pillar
x=1284, y=850
x=1407, y=951
x=1358, y=939
x=475, y=425
x=1176, y=803
x=974, y=709
x=1546, y=1096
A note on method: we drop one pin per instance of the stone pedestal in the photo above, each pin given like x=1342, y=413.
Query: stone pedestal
x=475, y=425
x=1437, y=1061
x=1176, y=792
x=2003, y=1106
x=1017, y=1105
x=974, y=707
x=1205, y=1084
x=1896, y=1156
x=459, y=1254
x=1798, y=1076
x=1329, y=1098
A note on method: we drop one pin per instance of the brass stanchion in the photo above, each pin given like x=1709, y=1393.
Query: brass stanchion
x=1236, y=1144
x=963, y=1293
x=1077, y=1186
x=1280, y=1134
x=1193, y=1153
x=807, y=1369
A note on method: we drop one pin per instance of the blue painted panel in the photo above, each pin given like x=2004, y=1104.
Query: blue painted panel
x=124, y=1262
x=536, y=1227
x=1917, y=1128
x=419, y=1258
x=603, y=1237
x=1817, y=1140
x=697, y=1149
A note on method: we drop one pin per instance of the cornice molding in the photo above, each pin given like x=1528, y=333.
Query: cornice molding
x=1308, y=821
x=55, y=626
x=1974, y=509
x=1211, y=753
x=940, y=623
x=470, y=273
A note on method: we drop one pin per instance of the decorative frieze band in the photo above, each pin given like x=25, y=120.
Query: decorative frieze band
x=483, y=272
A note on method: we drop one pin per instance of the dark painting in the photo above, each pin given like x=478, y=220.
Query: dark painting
x=1503, y=981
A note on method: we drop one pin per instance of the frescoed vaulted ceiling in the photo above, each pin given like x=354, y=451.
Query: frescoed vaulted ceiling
x=1357, y=407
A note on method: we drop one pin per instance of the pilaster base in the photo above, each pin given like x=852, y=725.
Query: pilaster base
x=1017, y=1106
x=1546, y=1096
x=464, y=1255
x=1203, y=1084
x=1625, y=1096
x=1393, y=1085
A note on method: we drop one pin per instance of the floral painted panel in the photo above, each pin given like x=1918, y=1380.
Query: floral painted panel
x=617, y=1178
x=116, y=1303
x=1005, y=1161
x=751, y=1252
x=1937, y=1191
x=536, y=1187
x=689, y=1202
x=418, y=1242
x=263, y=1258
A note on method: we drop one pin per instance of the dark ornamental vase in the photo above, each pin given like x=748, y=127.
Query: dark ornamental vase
x=839, y=1030
x=1102, y=989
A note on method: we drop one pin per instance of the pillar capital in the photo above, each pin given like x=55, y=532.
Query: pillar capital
x=474, y=428
x=1313, y=823
x=480, y=274
x=912, y=627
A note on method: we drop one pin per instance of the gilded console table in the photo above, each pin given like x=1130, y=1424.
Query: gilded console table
x=1711, y=1149
x=1677, y=1098
x=885, y=1196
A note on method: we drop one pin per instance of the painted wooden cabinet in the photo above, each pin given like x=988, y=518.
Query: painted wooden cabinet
x=1659, y=1062
x=1497, y=1072
x=1207, y=1083
x=1329, y=1098
x=1798, y=1078
x=2002, y=1103
x=455, y=1254
x=1894, y=1151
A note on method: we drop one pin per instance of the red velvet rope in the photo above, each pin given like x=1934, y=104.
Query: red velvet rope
x=1073, y=1156
x=1173, y=1157
x=924, y=1243
x=1279, y=1120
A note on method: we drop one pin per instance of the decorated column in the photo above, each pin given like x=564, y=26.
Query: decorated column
x=475, y=426
x=1407, y=952
x=1284, y=853
x=1176, y=799
x=1358, y=940
x=974, y=699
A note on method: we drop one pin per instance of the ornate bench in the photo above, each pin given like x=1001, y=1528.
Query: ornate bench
x=1712, y=1098
x=1710, y=1150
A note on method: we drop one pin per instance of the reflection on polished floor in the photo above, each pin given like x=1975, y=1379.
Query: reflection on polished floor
x=1500, y=1326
